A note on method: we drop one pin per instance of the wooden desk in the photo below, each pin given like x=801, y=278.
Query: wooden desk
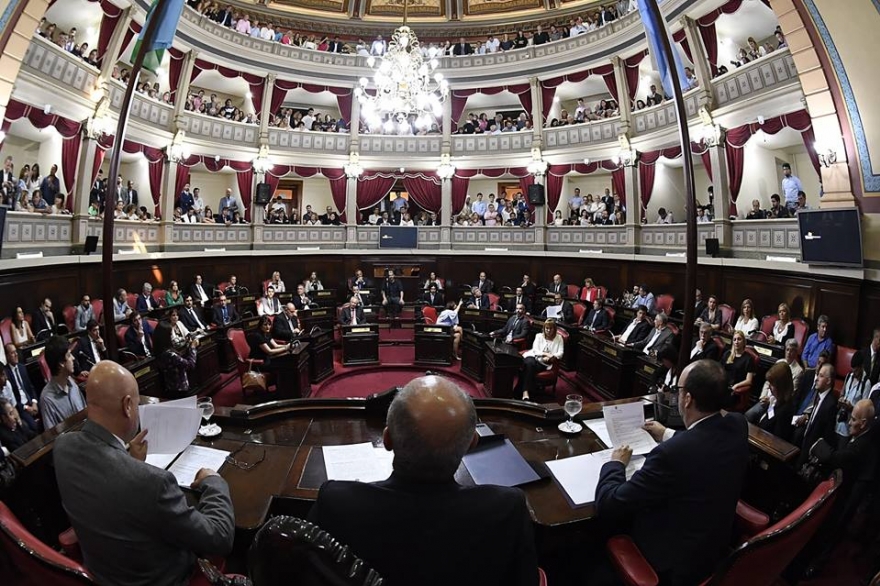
x=647, y=370
x=606, y=366
x=320, y=347
x=472, y=352
x=324, y=297
x=291, y=373
x=207, y=371
x=503, y=363
x=433, y=345
x=360, y=344
x=324, y=318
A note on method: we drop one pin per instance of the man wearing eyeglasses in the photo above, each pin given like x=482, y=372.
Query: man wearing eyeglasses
x=132, y=519
x=682, y=502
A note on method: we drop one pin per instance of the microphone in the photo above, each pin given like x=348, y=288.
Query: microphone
x=86, y=356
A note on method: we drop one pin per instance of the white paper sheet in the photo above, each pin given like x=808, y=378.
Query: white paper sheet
x=600, y=428
x=355, y=462
x=160, y=460
x=193, y=459
x=553, y=311
x=625, y=423
x=579, y=475
x=171, y=427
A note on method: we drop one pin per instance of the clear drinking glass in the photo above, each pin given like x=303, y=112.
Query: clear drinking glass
x=206, y=406
x=573, y=406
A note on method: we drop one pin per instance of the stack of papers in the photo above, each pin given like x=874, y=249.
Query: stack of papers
x=579, y=476
x=172, y=426
x=361, y=462
x=624, y=424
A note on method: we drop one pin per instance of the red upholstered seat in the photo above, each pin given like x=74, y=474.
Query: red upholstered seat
x=665, y=303
x=758, y=562
x=580, y=311
x=430, y=314
x=69, y=313
x=767, y=324
x=159, y=297
x=132, y=298
x=728, y=317
x=238, y=340
x=98, y=309
x=842, y=362
x=493, y=300
x=801, y=331
x=6, y=330
x=749, y=521
x=32, y=562
x=44, y=367
x=572, y=291
x=550, y=376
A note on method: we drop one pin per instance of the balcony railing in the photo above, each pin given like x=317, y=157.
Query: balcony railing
x=48, y=61
x=774, y=71
x=199, y=126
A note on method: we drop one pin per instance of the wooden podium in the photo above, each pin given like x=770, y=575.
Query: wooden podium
x=472, y=351
x=647, y=369
x=320, y=353
x=324, y=297
x=207, y=371
x=606, y=366
x=360, y=344
x=503, y=363
x=291, y=373
x=433, y=344
x=322, y=317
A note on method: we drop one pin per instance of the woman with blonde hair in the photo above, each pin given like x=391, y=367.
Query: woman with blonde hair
x=738, y=364
x=747, y=322
x=547, y=348
x=783, y=329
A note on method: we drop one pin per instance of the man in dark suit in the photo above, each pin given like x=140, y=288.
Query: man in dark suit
x=517, y=326
x=133, y=521
x=139, y=336
x=819, y=420
x=90, y=349
x=224, y=313
x=528, y=287
x=705, y=347
x=201, y=292
x=479, y=300
x=360, y=281
x=363, y=298
x=44, y=321
x=301, y=300
x=637, y=330
x=25, y=395
x=191, y=316
x=286, y=325
x=659, y=337
x=335, y=45
x=353, y=313
x=566, y=311
x=520, y=297
x=557, y=286
x=597, y=319
x=682, y=502
x=462, y=48
x=872, y=358
x=699, y=304
x=433, y=297
x=483, y=284
x=431, y=424
x=129, y=195
x=392, y=296
x=145, y=301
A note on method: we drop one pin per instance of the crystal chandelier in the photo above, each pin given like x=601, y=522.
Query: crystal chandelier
x=406, y=85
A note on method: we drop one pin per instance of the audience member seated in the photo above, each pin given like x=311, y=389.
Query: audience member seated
x=232, y=287
x=84, y=313
x=449, y=317
x=173, y=363
x=738, y=364
x=776, y=211
x=392, y=296
x=795, y=369
x=711, y=315
x=430, y=426
x=696, y=474
x=131, y=518
x=558, y=286
x=145, y=301
x=121, y=309
x=565, y=311
x=778, y=410
x=432, y=278
x=22, y=389
x=269, y=305
x=13, y=432
x=139, y=336
x=520, y=297
x=362, y=297
x=589, y=292
x=783, y=329
x=432, y=297
x=756, y=213
x=200, y=292
x=173, y=296
x=44, y=321
x=224, y=313
x=637, y=330
x=360, y=281
x=517, y=326
x=818, y=422
x=90, y=349
x=664, y=217
x=654, y=341
x=644, y=297
x=352, y=314
x=192, y=317
x=806, y=392
x=61, y=396
x=856, y=386
x=872, y=357
x=20, y=329
x=598, y=319
x=262, y=346
x=747, y=322
x=301, y=300
x=478, y=299
x=285, y=326
x=705, y=347
x=276, y=282
x=547, y=347
x=313, y=283
x=818, y=341
x=483, y=283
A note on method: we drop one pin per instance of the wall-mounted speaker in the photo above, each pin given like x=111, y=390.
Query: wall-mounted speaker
x=264, y=194
x=712, y=247
x=536, y=194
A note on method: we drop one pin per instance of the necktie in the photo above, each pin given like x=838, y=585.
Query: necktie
x=813, y=412
x=290, y=325
x=19, y=388
x=225, y=318
x=354, y=316
x=593, y=322
x=201, y=292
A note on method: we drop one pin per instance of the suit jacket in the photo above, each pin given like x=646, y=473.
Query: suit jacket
x=217, y=315
x=375, y=520
x=345, y=318
x=462, y=49
x=438, y=301
x=873, y=373
x=133, y=522
x=520, y=331
x=145, y=304
x=189, y=321
x=133, y=343
x=642, y=329
x=664, y=339
x=25, y=394
x=481, y=303
x=682, y=502
x=820, y=426
x=85, y=355
x=710, y=352
x=561, y=288
x=528, y=290
x=298, y=303
x=281, y=329
x=40, y=323
x=567, y=312
x=525, y=300
x=602, y=321
x=857, y=458
x=780, y=425
x=486, y=287
x=698, y=309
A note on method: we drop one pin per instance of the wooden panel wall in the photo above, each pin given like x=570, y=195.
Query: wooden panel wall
x=852, y=306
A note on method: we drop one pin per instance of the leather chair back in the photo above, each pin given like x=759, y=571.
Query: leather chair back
x=98, y=309
x=762, y=559
x=665, y=303
x=430, y=314
x=238, y=340
x=6, y=330
x=580, y=312
x=69, y=313
x=493, y=300
x=728, y=316
x=572, y=292
x=32, y=562
x=159, y=297
x=801, y=331
x=767, y=324
x=842, y=361
x=132, y=299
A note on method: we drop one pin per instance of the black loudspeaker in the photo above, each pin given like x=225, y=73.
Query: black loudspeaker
x=264, y=194
x=712, y=247
x=91, y=244
x=536, y=194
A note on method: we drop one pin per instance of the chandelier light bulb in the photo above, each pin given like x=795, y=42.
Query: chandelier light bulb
x=371, y=61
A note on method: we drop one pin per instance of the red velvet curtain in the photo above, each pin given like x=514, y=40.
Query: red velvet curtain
x=735, y=151
x=100, y=153
x=175, y=70
x=607, y=73
x=710, y=40
x=70, y=148
x=553, y=183
x=154, y=171
x=680, y=37
x=339, y=189
x=344, y=96
x=274, y=176
x=108, y=25
x=425, y=191
x=133, y=28
x=460, y=183
x=524, y=92
x=525, y=182
x=631, y=70
x=181, y=179
x=372, y=188
x=647, y=172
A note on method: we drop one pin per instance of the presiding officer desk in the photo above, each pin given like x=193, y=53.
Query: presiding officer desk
x=279, y=466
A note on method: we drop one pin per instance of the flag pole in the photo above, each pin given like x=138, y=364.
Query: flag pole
x=108, y=292
x=690, y=280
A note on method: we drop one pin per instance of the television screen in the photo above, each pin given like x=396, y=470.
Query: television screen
x=398, y=237
x=831, y=237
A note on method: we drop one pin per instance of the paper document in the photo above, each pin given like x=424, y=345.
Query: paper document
x=193, y=459
x=172, y=425
x=625, y=424
x=553, y=311
x=160, y=460
x=498, y=463
x=579, y=476
x=356, y=462
x=600, y=428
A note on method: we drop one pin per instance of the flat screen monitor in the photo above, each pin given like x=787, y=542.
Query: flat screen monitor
x=831, y=237
x=398, y=237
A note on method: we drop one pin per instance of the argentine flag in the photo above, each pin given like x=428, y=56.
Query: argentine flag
x=168, y=14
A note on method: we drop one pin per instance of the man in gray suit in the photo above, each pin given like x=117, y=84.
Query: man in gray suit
x=659, y=337
x=516, y=327
x=134, y=525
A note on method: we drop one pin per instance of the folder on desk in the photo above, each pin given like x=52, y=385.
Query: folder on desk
x=496, y=461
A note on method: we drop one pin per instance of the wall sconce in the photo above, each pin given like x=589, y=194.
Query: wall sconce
x=263, y=164
x=712, y=135
x=538, y=166
x=353, y=169
x=827, y=155
x=445, y=170
x=177, y=151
